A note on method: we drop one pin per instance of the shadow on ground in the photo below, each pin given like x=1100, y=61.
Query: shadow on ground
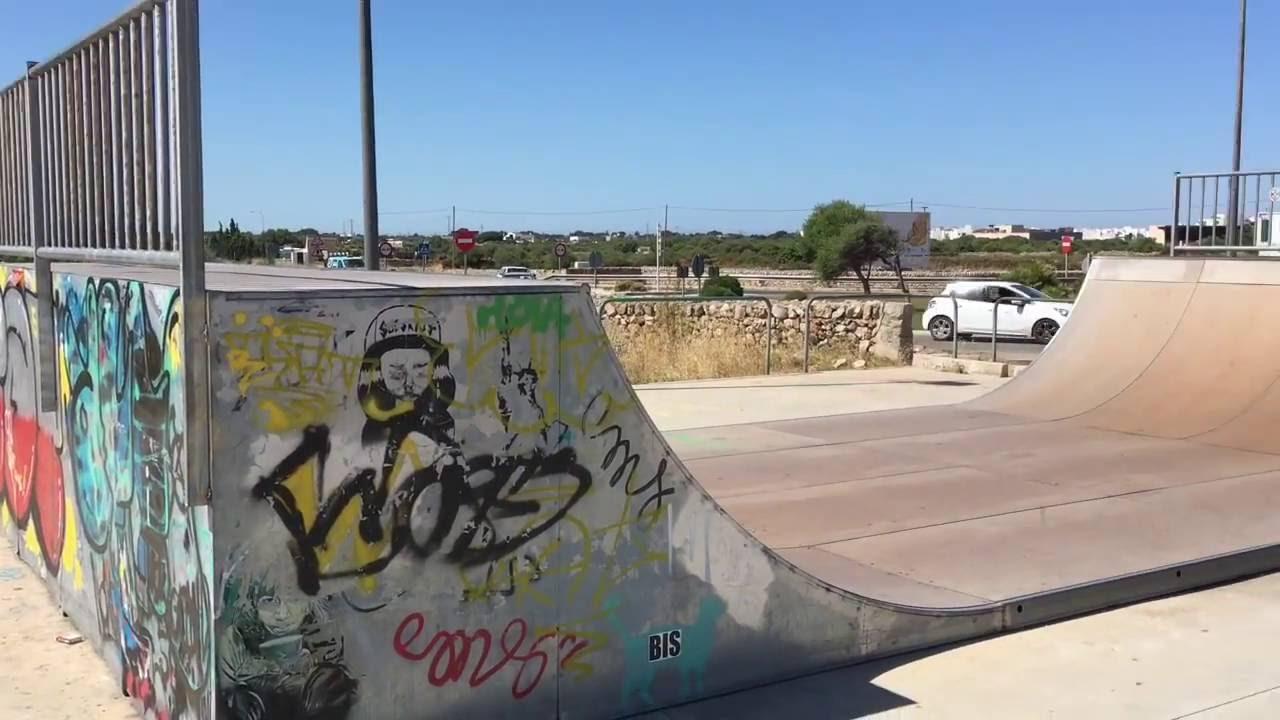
x=703, y=386
x=838, y=694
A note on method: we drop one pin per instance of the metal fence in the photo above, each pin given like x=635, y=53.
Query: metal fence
x=101, y=160
x=1225, y=212
x=15, y=201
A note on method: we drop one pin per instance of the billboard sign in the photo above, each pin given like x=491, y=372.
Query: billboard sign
x=913, y=236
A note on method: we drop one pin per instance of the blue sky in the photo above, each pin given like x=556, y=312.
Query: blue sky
x=598, y=105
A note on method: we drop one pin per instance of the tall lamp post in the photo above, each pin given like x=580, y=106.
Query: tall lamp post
x=1234, y=210
x=371, y=259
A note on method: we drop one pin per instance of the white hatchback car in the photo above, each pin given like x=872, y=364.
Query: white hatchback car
x=1028, y=313
x=517, y=272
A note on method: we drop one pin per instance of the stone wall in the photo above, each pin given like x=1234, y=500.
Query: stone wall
x=869, y=329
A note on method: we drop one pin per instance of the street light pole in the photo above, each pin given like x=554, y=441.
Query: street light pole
x=1233, y=211
x=371, y=259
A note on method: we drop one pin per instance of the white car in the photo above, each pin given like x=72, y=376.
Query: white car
x=339, y=262
x=1028, y=313
x=517, y=272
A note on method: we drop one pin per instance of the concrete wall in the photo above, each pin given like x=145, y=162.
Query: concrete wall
x=448, y=506
x=92, y=493
x=425, y=505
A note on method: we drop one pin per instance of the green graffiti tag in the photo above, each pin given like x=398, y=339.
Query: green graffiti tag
x=510, y=313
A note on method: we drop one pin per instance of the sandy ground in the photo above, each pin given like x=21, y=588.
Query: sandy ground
x=41, y=678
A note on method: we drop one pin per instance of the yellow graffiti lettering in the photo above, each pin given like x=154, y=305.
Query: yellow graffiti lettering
x=304, y=484
x=33, y=542
x=288, y=369
x=71, y=547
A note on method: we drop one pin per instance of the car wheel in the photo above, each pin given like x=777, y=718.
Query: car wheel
x=1044, y=330
x=940, y=328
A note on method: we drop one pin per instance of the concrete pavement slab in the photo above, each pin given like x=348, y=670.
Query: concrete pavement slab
x=1204, y=655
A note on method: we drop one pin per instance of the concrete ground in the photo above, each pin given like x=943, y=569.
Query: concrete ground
x=41, y=678
x=705, y=403
x=1205, y=655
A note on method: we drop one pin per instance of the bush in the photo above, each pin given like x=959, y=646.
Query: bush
x=795, y=295
x=721, y=286
x=716, y=291
x=629, y=286
x=1037, y=275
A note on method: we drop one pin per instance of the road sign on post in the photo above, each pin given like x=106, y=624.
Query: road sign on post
x=560, y=250
x=597, y=262
x=465, y=240
x=1067, y=241
x=699, y=267
x=385, y=249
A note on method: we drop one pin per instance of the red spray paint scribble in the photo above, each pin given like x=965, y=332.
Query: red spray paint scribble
x=450, y=653
x=29, y=462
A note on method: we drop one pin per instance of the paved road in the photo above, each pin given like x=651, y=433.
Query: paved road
x=1009, y=350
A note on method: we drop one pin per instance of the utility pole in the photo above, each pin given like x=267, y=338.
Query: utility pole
x=371, y=258
x=666, y=211
x=1233, y=211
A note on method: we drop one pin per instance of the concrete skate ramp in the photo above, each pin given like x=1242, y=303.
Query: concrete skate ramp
x=439, y=496
x=1138, y=455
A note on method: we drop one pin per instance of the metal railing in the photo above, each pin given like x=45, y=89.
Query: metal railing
x=768, y=343
x=15, y=171
x=1223, y=215
x=101, y=161
x=995, y=320
x=808, y=312
x=955, y=325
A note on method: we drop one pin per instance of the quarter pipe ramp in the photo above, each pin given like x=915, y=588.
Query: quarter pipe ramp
x=438, y=496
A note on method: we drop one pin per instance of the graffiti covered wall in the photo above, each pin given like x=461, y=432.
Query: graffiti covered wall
x=93, y=493
x=436, y=506
x=427, y=505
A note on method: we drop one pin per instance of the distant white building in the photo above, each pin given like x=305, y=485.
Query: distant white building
x=946, y=233
x=1109, y=233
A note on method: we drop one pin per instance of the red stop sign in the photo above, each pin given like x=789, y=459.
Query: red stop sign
x=464, y=239
x=1066, y=244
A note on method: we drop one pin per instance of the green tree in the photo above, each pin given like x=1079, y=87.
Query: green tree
x=844, y=237
x=273, y=239
x=231, y=243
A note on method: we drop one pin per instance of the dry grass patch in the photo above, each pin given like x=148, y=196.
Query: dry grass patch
x=671, y=347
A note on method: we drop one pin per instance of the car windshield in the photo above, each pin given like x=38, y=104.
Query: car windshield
x=1030, y=292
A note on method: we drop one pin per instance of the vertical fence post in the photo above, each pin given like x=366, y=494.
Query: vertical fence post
x=955, y=325
x=190, y=234
x=1173, y=228
x=47, y=361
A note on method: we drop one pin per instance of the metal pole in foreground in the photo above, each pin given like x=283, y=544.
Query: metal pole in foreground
x=371, y=258
x=1233, y=211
